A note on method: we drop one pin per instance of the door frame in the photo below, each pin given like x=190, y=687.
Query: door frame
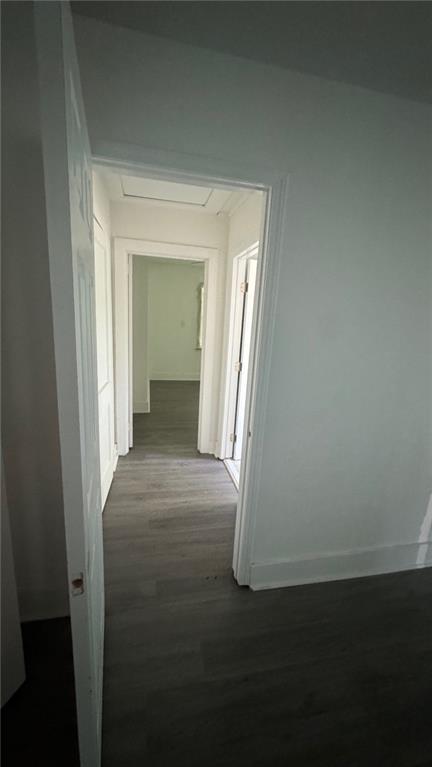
x=100, y=237
x=229, y=387
x=190, y=168
x=124, y=248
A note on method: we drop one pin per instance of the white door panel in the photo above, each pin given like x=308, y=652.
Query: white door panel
x=68, y=190
x=246, y=338
x=106, y=440
x=102, y=300
x=105, y=373
x=237, y=306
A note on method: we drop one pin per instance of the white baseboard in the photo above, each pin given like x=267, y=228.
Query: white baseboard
x=340, y=565
x=141, y=407
x=233, y=469
x=175, y=377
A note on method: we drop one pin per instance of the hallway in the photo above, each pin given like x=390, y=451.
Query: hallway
x=202, y=673
x=168, y=533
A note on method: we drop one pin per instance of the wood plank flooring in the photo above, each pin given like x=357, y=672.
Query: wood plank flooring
x=200, y=672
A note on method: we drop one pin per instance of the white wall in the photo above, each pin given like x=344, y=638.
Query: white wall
x=101, y=204
x=29, y=401
x=245, y=224
x=161, y=224
x=347, y=460
x=165, y=321
x=173, y=320
x=140, y=344
x=104, y=332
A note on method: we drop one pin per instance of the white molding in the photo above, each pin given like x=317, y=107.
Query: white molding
x=160, y=376
x=106, y=481
x=273, y=247
x=233, y=471
x=101, y=236
x=228, y=380
x=121, y=347
x=184, y=167
x=339, y=565
x=124, y=248
x=159, y=249
x=115, y=461
x=130, y=353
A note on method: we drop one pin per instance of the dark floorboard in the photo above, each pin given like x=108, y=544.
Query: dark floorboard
x=39, y=722
x=200, y=672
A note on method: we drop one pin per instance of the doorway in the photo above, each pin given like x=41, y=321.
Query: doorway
x=166, y=339
x=230, y=313
x=67, y=164
x=199, y=346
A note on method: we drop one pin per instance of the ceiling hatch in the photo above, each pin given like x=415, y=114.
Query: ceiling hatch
x=165, y=191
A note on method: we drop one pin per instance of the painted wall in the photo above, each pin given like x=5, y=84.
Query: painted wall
x=29, y=405
x=347, y=459
x=101, y=204
x=245, y=224
x=165, y=323
x=173, y=320
x=187, y=227
x=141, y=373
x=244, y=230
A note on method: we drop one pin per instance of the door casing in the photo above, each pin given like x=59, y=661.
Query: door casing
x=124, y=250
x=108, y=451
x=188, y=168
x=229, y=385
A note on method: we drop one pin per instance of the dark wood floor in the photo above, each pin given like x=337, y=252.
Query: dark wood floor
x=202, y=673
x=39, y=727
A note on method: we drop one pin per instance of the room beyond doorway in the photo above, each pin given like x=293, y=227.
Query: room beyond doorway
x=166, y=325
x=160, y=220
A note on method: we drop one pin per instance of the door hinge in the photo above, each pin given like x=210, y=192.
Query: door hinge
x=78, y=585
x=244, y=287
x=238, y=366
x=233, y=437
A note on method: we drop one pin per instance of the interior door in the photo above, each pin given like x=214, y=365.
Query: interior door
x=105, y=374
x=245, y=345
x=68, y=190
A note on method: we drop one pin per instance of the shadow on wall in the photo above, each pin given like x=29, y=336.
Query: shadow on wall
x=29, y=407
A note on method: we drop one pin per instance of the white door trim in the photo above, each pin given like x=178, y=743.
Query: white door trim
x=176, y=166
x=229, y=385
x=130, y=348
x=107, y=473
x=124, y=249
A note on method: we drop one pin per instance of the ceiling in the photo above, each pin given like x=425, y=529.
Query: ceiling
x=385, y=46
x=122, y=187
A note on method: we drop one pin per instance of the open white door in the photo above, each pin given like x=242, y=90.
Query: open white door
x=68, y=189
x=246, y=338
